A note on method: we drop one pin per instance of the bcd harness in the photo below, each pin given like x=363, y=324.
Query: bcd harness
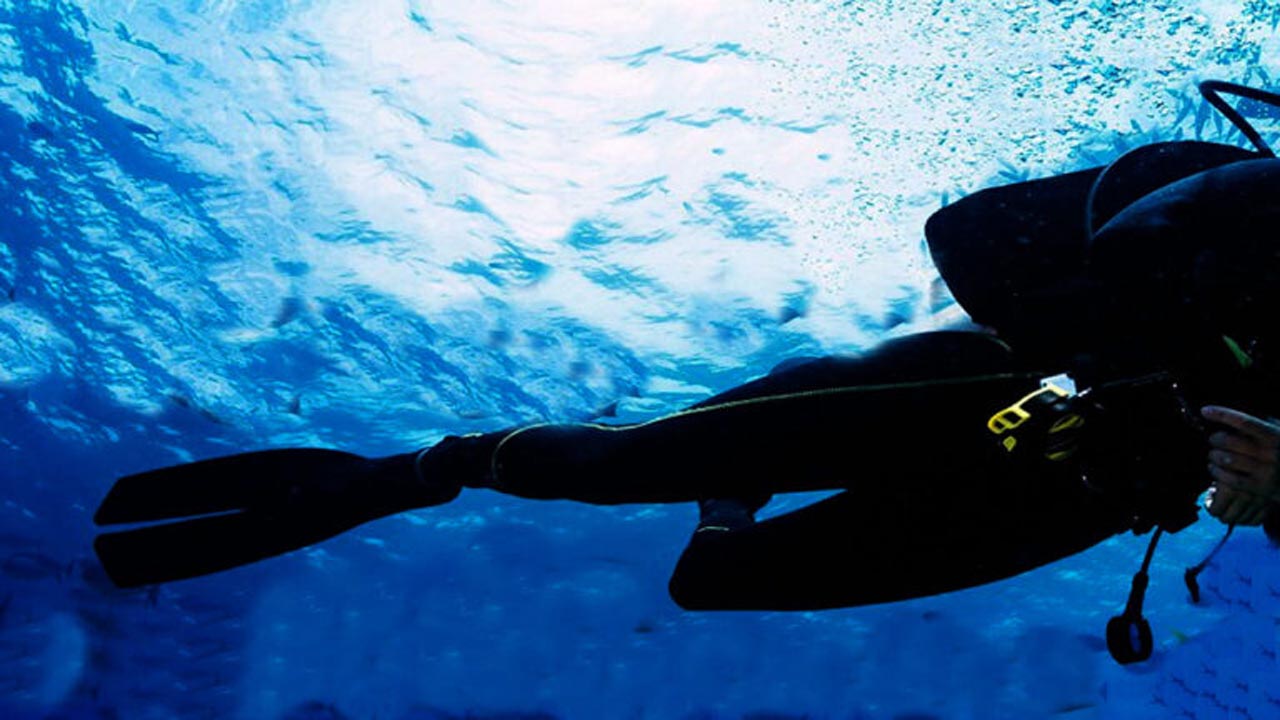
x=1058, y=423
x=1052, y=424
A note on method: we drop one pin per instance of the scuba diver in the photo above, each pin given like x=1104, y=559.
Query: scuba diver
x=1125, y=364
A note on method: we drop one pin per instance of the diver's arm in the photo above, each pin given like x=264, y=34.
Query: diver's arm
x=1244, y=461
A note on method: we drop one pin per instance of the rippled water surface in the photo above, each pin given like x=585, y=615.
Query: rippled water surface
x=233, y=225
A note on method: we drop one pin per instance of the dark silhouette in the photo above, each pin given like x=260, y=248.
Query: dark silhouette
x=1122, y=365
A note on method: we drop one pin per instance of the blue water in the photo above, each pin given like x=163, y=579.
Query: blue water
x=236, y=225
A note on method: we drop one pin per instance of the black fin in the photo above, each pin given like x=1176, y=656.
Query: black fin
x=190, y=548
x=236, y=482
x=235, y=510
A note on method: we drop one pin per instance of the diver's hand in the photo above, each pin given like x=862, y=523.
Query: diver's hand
x=1244, y=460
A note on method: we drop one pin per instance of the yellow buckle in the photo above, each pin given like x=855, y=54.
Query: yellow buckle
x=1013, y=416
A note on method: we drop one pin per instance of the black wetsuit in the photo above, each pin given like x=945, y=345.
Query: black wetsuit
x=931, y=501
x=1155, y=282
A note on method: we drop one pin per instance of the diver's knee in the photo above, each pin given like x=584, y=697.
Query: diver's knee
x=684, y=592
x=692, y=586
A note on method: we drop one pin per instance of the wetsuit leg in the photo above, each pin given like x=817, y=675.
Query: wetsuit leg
x=932, y=503
x=914, y=358
x=897, y=536
x=920, y=402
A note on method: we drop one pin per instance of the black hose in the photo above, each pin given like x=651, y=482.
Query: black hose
x=1211, y=90
x=1190, y=575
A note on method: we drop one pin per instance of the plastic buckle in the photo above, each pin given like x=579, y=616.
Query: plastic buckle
x=1046, y=400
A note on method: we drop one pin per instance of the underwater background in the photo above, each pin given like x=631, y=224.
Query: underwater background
x=229, y=225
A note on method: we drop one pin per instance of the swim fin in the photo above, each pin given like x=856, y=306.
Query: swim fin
x=231, y=511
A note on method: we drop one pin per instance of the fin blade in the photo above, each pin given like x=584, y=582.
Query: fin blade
x=191, y=548
x=235, y=482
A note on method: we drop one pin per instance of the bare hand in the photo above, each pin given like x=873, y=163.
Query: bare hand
x=1244, y=460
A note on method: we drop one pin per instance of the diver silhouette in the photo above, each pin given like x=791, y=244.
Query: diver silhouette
x=1126, y=364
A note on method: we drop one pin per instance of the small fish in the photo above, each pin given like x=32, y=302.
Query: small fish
x=788, y=314
x=138, y=128
x=290, y=309
x=186, y=403
x=315, y=710
x=40, y=130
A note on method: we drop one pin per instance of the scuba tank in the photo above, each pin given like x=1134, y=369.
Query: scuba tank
x=1151, y=283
